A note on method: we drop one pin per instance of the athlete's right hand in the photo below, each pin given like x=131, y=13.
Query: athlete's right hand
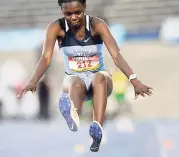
x=31, y=86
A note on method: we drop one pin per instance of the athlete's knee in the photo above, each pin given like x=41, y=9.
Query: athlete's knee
x=99, y=78
x=78, y=86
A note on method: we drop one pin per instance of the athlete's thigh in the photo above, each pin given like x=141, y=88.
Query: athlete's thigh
x=69, y=80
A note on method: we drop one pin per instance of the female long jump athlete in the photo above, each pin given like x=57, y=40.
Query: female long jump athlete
x=81, y=37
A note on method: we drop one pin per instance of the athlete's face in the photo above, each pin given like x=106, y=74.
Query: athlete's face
x=74, y=13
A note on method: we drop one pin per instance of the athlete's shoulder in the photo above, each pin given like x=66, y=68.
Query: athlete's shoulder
x=97, y=21
x=55, y=26
x=98, y=24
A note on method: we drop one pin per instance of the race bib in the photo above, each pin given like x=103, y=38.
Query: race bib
x=79, y=64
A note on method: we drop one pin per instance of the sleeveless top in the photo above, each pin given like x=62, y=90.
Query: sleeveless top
x=81, y=55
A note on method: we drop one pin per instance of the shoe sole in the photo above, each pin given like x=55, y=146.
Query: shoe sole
x=96, y=133
x=66, y=108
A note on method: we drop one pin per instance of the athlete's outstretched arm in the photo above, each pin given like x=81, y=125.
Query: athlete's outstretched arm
x=102, y=29
x=48, y=47
x=45, y=59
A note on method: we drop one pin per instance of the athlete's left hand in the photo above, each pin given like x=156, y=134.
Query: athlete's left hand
x=141, y=89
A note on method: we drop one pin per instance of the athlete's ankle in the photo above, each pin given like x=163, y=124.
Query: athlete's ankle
x=99, y=122
x=95, y=121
